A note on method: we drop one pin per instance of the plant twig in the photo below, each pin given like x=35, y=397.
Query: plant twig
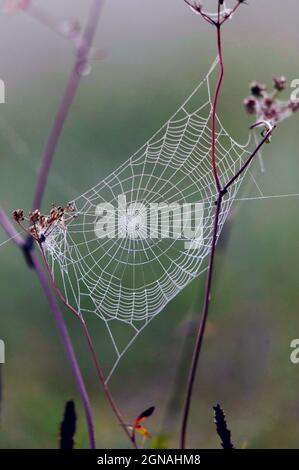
x=215, y=102
x=208, y=288
x=201, y=328
x=66, y=102
x=98, y=367
x=221, y=190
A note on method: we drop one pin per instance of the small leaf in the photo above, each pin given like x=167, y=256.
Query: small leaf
x=145, y=414
x=137, y=427
x=222, y=430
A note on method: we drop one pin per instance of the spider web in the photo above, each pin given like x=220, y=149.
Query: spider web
x=128, y=279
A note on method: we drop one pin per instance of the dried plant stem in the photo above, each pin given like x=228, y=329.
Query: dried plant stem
x=66, y=340
x=208, y=288
x=47, y=157
x=201, y=328
x=92, y=350
x=215, y=102
x=222, y=190
x=66, y=102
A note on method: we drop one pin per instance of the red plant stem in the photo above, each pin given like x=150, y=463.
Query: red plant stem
x=221, y=193
x=91, y=348
x=248, y=161
x=214, y=110
x=208, y=288
x=238, y=4
x=66, y=102
x=66, y=340
x=201, y=328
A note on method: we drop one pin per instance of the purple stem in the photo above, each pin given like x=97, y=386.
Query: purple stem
x=66, y=101
x=18, y=240
x=47, y=158
x=48, y=154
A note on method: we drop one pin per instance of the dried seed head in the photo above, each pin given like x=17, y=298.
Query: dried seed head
x=42, y=226
x=70, y=207
x=271, y=113
x=196, y=6
x=250, y=104
x=268, y=101
x=18, y=215
x=258, y=89
x=266, y=106
x=280, y=83
x=34, y=216
x=294, y=106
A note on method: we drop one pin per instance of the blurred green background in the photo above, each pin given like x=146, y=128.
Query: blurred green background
x=156, y=53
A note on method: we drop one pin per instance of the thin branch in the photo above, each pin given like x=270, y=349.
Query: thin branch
x=66, y=340
x=201, y=329
x=208, y=288
x=100, y=373
x=10, y=230
x=238, y=4
x=91, y=347
x=249, y=160
x=66, y=102
x=44, y=18
x=214, y=109
x=199, y=11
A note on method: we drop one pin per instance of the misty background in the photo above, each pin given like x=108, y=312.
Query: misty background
x=154, y=53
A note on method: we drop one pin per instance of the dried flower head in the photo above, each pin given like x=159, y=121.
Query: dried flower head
x=258, y=89
x=195, y=6
x=294, y=105
x=18, y=215
x=34, y=216
x=218, y=17
x=40, y=225
x=280, y=83
x=267, y=107
x=250, y=104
